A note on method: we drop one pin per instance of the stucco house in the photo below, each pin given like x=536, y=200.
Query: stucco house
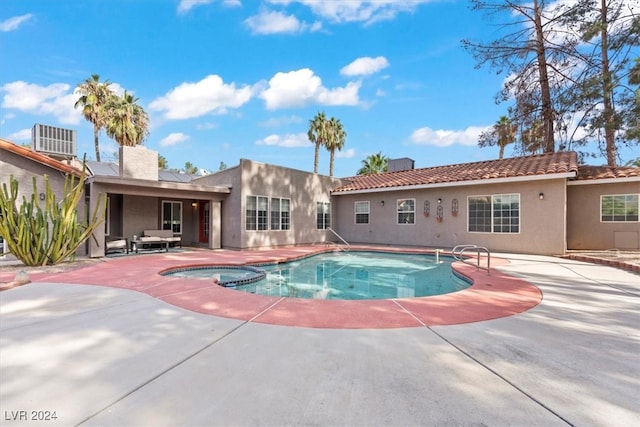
x=542, y=204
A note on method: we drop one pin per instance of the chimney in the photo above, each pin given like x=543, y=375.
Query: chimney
x=402, y=164
x=138, y=163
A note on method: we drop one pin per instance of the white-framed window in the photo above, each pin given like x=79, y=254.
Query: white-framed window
x=498, y=213
x=275, y=213
x=619, y=207
x=107, y=218
x=172, y=216
x=361, y=210
x=257, y=213
x=285, y=214
x=406, y=211
x=280, y=215
x=323, y=215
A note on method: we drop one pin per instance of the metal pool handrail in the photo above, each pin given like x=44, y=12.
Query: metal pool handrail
x=459, y=250
x=339, y=237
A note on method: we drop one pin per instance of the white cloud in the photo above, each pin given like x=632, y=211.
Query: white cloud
x=173, y=139
x=211, y=94
x=54, y=100
x=186, y=5
x=346, y=154
x=271, y=22
x=302, y=87
x=365, y=66
x=367, y=11
x=21, y=135
x=287, y=141
x=12, y=24
x=445, y=138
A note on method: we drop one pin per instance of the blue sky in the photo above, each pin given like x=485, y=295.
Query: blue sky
x=228, y=79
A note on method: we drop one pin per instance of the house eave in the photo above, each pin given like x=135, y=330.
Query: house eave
x=143, y=184
x=605, y=181
x=527, y=178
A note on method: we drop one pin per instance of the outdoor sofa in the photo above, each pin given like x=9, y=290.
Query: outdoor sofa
x=164, y=235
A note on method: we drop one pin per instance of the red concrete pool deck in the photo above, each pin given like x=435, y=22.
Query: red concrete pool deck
x=490, y=297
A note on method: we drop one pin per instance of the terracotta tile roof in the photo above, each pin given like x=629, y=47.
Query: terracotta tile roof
x=543, y=164
x=38, y=157
x=607, y=172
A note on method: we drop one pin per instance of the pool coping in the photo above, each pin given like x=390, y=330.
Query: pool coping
x=490, y=296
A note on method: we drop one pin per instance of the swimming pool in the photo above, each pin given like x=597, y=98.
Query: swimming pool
x=355, y=275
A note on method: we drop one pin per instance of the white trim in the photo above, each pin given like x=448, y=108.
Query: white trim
x=107, y=218
x=605, y=181
x=398, y=211
x=526, y=178
x=356, y=213
x=162, y=219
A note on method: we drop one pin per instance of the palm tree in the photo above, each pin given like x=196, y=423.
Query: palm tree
x=127, y=122
x=633, y=163
x=506, y=132
x=318, y=134
x=502, y=133
x=374, y=163
x=163, y=163
x=93, y=97
x=532, y=138
x=335, y=141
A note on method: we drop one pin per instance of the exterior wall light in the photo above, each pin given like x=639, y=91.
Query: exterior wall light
x=439, y=200
x=382, y=203
x=194, y=204
x=541, y=196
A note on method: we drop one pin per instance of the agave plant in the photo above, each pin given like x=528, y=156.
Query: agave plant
x=40, y=236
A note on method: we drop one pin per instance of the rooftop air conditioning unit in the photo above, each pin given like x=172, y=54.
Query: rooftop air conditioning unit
x=53, y=140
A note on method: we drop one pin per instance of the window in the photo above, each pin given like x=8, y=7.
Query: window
x=362, y=212
x=323, y=215
x=480, y=214
x=619, y=208
x=275, y=213
x=494, y=214
x=257, y=213
x=406, y=211
x=251, y=214
x=285, y=214
x=279, y=214
x=263, y=213
x=172, y=216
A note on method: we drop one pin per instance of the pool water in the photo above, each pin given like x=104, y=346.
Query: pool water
x=223, y=276
x=359, y=276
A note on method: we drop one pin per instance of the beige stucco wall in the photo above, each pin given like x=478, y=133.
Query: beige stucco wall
x=585, y=231
x=304, y=189
x=24, y=170
x=230, y=209
x=542, y=229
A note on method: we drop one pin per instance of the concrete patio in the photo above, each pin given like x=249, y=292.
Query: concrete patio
x=111, y=356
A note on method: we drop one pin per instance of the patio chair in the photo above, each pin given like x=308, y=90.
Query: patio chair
x=117, y=244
